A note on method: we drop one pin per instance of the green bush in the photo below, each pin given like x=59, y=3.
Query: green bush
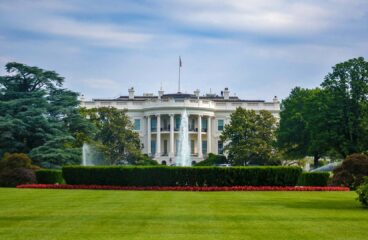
x=351, y=172
x=47, y=176
x=181, y=176
x=212, y=160
x=363, y=192
x=16, y=169
x=313, y=179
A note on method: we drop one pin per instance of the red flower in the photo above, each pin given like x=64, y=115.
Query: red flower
x=185, y=188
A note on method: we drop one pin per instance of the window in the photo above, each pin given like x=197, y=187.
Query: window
x=192, y=147
x=153, y=124
x=137, y=124
x=220, y=147
x=204, y=124
x=220, y=124
x=153, y=146
x=177, y=123
x=165, y=147
x=204, y=147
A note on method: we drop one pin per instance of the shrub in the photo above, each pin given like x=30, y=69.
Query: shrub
x=212, y=160
x=351, y=172
x=16, y=176
x=15, y=160
x=181, y=176
x=16, y=169
x=47, y=176
x=313, y=179
x=363, y=192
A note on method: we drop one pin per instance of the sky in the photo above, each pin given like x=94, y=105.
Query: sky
x=256, y=48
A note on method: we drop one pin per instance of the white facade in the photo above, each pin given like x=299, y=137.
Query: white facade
x=157, y=119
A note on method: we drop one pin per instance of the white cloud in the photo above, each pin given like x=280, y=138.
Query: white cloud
x=276, y=17
x=46, y=17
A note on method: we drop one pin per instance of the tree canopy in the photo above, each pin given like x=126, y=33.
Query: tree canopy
x=327, y=121
x=115, y=137
x=249, y=138
x=35, y=111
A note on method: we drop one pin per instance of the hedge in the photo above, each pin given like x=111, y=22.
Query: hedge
x=313, y=179
x=47, y=176
x=181, y=176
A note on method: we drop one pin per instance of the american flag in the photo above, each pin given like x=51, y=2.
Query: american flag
x=180, y=64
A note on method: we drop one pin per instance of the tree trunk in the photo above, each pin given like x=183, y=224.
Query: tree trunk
x=315, y=161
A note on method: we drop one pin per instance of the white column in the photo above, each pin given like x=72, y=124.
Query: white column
x=199, y=138
x=172, y=151
x=158, y=138
x=149, y=135
x=209, y=134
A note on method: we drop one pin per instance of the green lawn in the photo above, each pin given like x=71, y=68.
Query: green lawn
x=87, y=214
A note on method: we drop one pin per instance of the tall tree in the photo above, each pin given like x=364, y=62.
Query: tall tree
x=115, y=137
x=250, y=136
x=347, y=89
x=35, y=111
x=302, y=130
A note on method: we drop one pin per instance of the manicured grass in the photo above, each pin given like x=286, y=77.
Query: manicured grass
x=95, y=214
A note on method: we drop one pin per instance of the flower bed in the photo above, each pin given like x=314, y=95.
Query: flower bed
x=183, y=188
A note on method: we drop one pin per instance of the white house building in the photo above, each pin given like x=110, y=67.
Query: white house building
x=157, y=119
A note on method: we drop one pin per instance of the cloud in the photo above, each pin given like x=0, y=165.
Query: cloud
x=49, y=18
x=277, y=17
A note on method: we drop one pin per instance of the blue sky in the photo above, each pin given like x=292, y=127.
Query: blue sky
x=256, y=48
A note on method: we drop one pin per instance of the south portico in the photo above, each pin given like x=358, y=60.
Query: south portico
x=162, y=133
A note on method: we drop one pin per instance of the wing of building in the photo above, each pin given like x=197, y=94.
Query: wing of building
x=157, y=119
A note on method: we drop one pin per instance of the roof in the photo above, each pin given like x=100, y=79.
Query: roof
x=179, y=95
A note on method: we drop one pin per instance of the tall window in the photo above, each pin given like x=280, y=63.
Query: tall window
x=204, y=147
x=191, y=146
x=153, y=146
x=204, y=124
x=177, y=123
x=137, y=124
x=220, y=147
x=165, y=147
x=220, y=124
x=153, y=124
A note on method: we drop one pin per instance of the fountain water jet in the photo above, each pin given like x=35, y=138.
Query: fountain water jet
x=90, y=157
x=184, y=147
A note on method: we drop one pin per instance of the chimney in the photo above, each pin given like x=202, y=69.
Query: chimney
x=226, y=94
x=196, y=93
x=131, y=93
x=160, y=93
x=275, y=99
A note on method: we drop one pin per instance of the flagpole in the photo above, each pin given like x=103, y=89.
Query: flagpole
x=179, y=74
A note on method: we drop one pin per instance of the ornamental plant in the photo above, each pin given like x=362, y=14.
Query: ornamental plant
x=16, y=169
x=351, y=172
x=362, y=192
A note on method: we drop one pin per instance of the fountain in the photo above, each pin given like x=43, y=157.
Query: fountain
x=183, y=158
x=90, y=156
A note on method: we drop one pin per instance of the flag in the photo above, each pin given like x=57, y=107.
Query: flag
x=180, y=64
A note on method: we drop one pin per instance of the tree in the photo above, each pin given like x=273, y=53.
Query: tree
x=35, y=111
x=249, y=137
x=115, y=137
x=302, y=130
x=347, y=90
